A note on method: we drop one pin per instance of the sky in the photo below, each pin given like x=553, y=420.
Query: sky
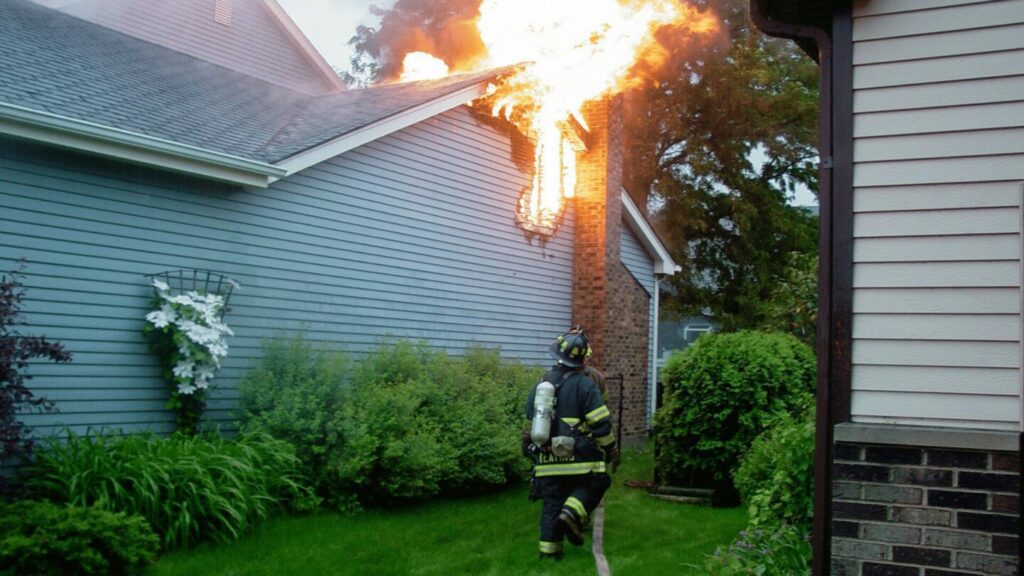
x=330, y=23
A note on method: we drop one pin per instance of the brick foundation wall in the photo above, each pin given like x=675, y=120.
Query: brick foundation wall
x=607, y=301
x=923, y=511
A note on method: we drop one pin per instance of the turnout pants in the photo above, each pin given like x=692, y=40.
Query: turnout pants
x=580, y=493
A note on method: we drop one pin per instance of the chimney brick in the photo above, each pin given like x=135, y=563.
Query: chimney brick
x=610, y=305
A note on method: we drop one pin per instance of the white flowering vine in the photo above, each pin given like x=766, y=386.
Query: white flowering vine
x=188, y=332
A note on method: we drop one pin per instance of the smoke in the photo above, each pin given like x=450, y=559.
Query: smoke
x=445, y=29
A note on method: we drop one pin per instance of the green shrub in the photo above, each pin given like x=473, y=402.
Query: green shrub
x=722, y=392
x=187, y=488
x=776, y=477
x=44, y=538
x=294, y=394
x=488, y=397
x=416, y=422
x=786, y=551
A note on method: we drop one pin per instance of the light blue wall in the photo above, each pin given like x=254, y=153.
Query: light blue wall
x=412, y=235
x=641, y=266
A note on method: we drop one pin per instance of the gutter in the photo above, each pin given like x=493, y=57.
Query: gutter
x=122, y=144
x=829, y=371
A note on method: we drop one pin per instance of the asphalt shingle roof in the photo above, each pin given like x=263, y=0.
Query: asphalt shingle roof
x=56, y=63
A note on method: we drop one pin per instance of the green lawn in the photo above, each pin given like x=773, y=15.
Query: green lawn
x=487, y=535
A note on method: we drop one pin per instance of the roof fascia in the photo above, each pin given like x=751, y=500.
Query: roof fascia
x=663, y=262
x=94, y=138
x=299, y=39
x=380, y=128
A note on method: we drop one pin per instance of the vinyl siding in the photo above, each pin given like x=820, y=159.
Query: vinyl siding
x=641, y=266
x=938, y=170
x=411, y=236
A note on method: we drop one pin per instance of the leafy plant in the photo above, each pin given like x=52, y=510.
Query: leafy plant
x=416, y=422
x=47, y=539
x=187, y=333
x=404, y=423
x=188, y=488
x=785, y=551
x=722, y=392
x=15, y=352
x=294, y=394
x=776, y=476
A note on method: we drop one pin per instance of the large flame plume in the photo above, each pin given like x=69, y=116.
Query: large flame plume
x=574, y=51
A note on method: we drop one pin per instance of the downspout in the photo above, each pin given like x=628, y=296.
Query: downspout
x=821, y=537
x=653, y=394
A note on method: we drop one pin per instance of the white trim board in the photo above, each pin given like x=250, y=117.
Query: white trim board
x=379, y=129
x=663, y=263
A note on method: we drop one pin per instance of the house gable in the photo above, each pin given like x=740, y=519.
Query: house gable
x=254, y=37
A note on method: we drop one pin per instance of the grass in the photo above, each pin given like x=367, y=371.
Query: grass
x=487, y=535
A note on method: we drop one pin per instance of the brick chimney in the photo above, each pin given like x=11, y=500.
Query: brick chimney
x=610, y=305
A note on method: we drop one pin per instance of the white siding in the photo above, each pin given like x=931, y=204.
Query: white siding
x=938, y=170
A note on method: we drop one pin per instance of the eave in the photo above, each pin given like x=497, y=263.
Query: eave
x=122, y=144
x=663, y=262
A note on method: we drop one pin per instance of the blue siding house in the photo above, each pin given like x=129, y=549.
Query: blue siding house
x=353, y=216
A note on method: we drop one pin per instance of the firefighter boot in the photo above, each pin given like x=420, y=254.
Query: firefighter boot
x=573, y=526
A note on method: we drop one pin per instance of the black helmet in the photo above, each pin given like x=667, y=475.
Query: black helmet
x=571, y=348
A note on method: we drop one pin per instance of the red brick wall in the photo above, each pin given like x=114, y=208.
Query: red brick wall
x=609, y=304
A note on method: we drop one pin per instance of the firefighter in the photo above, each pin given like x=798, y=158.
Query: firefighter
x=570, y=442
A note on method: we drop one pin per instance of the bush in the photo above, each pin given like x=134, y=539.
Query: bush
x=776, y=477
x=294, y=394
x=785, y=551
x=410, y=422
x=416, y=422
x=722, y=392
x=187, y=488
x=44, y=538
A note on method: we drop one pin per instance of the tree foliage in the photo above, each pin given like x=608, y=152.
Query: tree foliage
x=793, y=304
x=721, y=143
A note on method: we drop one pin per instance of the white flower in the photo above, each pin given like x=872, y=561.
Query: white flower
x=218, y=349
x=162, y=317
x=186, y=388
x=182, y=299
x=222, y=328
x=160, y=285
x=201, y=383
x=184, y=369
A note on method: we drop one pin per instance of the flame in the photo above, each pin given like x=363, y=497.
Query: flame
x=575, y=51
x=422, y=66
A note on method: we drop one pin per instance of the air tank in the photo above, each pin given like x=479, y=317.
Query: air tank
x=543, y=410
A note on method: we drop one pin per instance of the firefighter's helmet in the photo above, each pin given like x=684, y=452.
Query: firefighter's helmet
x=572, y=348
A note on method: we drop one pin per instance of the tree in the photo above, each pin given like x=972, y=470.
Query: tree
x=720, y=144
x=793, y=304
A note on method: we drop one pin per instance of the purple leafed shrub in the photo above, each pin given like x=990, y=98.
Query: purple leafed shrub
x=15, y=352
